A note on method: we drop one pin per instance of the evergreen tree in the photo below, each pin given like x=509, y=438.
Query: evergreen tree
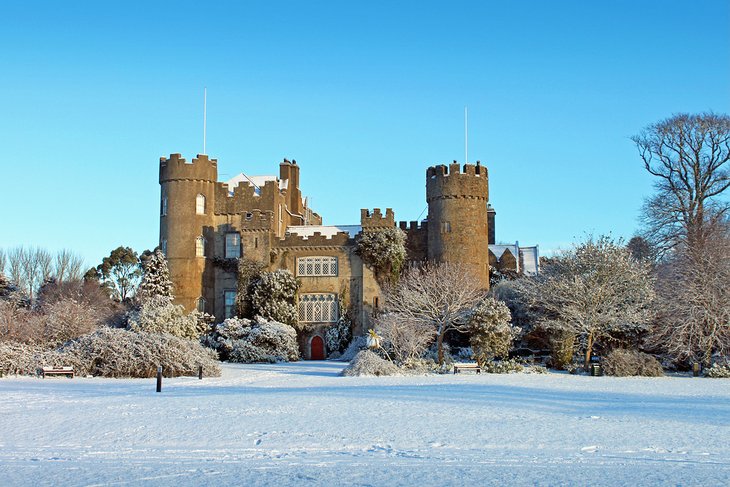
x=156, y=279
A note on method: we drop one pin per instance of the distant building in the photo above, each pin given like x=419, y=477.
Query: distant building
x=204, y=224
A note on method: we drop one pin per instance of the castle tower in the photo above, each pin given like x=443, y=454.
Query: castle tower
x=457, y=216
x=187, y=202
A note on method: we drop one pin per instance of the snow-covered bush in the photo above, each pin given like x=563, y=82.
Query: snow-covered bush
x=562, y=349
x=157, y=314
x=718, y=371
x=357, y=344
x=536, y=369
x=156, y=279
x=490, y=331
x=338, y=335
x=625, y=363
x=503, y=367
x=113, y=352
x=274, y=296
x=433, y=354
x=384, y=251
x=369, y=363
x=248, y=341
x=403, y=339
x=249, y=271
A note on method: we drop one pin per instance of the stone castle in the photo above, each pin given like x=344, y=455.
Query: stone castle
x=205, y=224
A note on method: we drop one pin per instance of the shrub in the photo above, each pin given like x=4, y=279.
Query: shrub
x=369, y=363
x=503, y=367
x=562, y=349
x=157, y=314
x=113, y=352
x=403, y=338
x=338, y=335
x=491, y=333
x=274, y=295
x=624, y=363
x=384, y=251
x=247, y=341
x=718, y=371
x=356, y=345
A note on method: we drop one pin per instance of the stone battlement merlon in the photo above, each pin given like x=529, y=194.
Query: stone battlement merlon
x=413, y=225
x=376, y=219
x=456, y=181
x=176, y=167
x=340, y=239
x=442, y=170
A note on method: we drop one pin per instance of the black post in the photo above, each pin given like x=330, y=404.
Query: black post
x=159, y=378
x=696, y=369
x=200, y=372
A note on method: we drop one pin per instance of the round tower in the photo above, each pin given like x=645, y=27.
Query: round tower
x=457, y=216
x=187, y=200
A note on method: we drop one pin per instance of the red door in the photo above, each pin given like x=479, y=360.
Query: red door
x=317, y=349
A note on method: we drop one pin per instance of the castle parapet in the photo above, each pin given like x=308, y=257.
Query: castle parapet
x=454, y=181
x=257, y=220
x=201, y=168
x=376, y=220
x=340, y=239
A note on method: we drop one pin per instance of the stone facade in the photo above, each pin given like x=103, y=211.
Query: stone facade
x=206, y=224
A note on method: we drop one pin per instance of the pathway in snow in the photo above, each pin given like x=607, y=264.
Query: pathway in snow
x=302, y=424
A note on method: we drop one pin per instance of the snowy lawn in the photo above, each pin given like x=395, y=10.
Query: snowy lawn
x=301, y=424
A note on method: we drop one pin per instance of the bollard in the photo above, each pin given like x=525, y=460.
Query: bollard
x=696, y=369
x=200, y=372
x=159, y=378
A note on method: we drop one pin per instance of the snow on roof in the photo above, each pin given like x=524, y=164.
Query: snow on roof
x=499, y=250
x=258, y=182
x=328, y=231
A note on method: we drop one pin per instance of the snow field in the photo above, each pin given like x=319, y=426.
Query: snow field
x=302, y=424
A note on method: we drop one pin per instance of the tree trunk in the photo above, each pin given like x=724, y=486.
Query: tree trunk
x=440, y=348
x=589, y=349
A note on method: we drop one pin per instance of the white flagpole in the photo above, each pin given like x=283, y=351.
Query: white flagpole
x=466, y=136
x=205, y=115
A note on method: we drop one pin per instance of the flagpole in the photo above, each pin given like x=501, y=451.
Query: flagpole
x=205, y=114
x=466, y=136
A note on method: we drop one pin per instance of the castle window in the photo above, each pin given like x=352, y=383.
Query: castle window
x=200, y=305
x=200, y=247
x=318, y=308
x=163, y=246
x=445, y=227
x=233, y=245
x=229, y=298
x=200, y=204
x=280, y=218
x=163, y=206
x=317, y=266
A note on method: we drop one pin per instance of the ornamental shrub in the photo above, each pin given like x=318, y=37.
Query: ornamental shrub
x=624, y=363
x=248, y=341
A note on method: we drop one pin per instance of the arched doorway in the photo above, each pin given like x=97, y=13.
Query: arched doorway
x=316, y=351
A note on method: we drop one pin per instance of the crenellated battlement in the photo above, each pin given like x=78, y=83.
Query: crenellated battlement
x=201, y=168
x=413, y=225
x=257, y=220
x=244, y=197
x=340, y=239
x=456, y=181
x=376, y=219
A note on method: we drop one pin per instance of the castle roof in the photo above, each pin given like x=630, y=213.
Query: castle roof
x=257, y=181
x=327, y=231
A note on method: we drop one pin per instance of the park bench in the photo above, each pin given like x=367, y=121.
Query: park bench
x=461, y=367
x=67, y=371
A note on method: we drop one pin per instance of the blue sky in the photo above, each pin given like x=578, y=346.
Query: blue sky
x=364, y=95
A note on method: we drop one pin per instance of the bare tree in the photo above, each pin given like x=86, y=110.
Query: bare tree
x=67, y=266
x=16, y=257
x=440, y=297
x=694, y=303
x=595, y=290
x=405, y=339
x=689, y=155
x=3, y=261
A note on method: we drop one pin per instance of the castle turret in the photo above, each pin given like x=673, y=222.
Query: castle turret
x=187, y=201
x=457, y=216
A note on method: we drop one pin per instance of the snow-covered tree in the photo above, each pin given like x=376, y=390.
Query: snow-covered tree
x=156, y=279
x=249, y=271
x=490, y=331
x=439, y=296
x=595, y=290
x=384, y=251
x=157, y=314
x=402, y=338
x=274, y=296
x=259, y=340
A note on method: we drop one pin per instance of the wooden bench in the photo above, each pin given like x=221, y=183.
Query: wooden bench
x=67, y=371
x=461, y=367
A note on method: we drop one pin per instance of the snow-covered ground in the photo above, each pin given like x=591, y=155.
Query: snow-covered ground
x=301, y=424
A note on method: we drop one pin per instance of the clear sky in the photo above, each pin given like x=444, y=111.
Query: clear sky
x=364, y=95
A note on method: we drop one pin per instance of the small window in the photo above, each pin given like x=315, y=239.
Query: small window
x=200, y=204
x=200, y=247
x=445, y=227
x=163, y=206
x=376, y=303
x=249, y=216
x=233, y=245
x=201, y=305
x=280, y=216
x=318, y=308
x=163, y=246
x=317, y=266
x=229, y=298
